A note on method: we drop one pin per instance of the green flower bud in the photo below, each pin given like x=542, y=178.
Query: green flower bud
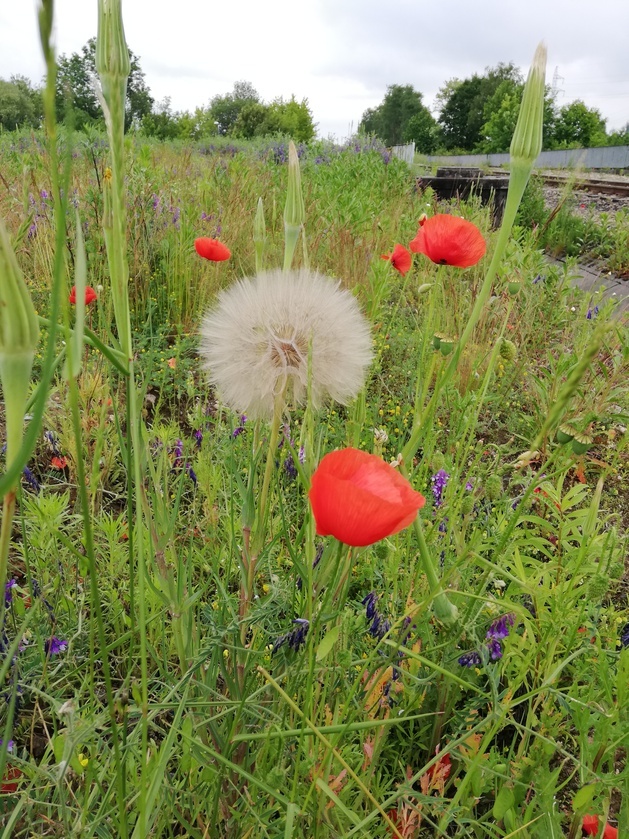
x=514, y=287
x=436, y=340
x=493, y=486
x=438, y=462
x=19, y=334
x=467, y=504
x=508, y=350
x=597, y=587
x=112, y=53
x=294, y=210
x=527, y=137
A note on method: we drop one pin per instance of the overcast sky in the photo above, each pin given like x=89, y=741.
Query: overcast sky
x=342, y=54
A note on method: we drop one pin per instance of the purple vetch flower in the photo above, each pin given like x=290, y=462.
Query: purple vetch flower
x=198, y=436
x=50, y=438
x=379, y=626
x=439, y=481
x=238, y=431
x=592, y=313
x=316, y=561
x=155, y=201
x=178, y=449
x=495, y=649
x=624, y=636
x=469, y=486
x=54, y=646
x=499, y=630
x=8, y=593
x=10, y=744
x=471, y=659
x=294, y=639
x=31, y=479
x=370, y=602
x=538, y=279
x=191, y=473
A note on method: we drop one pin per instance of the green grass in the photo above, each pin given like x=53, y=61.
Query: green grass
x=330, y=741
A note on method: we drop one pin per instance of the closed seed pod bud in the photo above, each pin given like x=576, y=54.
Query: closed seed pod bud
x=581, y=443
x=565, y=433
x=446, y=345
x=467, y=504
x=508, y=350
x=493, y=486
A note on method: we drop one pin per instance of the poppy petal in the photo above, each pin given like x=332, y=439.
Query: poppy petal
x=212, y=249
x=449, y=240
x=401, y=259
x=359, y=499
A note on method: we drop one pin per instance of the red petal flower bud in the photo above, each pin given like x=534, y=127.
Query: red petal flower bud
x=400, y=259
x=90, y=295
x=449, y=240
x=359, y=499
x=212, y=249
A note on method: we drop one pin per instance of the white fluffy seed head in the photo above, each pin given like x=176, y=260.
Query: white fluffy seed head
x=258, y=337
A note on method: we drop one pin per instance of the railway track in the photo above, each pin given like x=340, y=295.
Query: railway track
x=601, y=186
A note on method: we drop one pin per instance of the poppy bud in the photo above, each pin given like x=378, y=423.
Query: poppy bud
x=19, y=334
x=527, y=137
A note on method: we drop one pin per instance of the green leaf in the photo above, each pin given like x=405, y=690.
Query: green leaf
x=503, y=802
x=583, y=798
x=327, y=642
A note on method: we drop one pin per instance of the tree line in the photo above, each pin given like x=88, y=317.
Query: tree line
x=479, y=113
x=240, y=113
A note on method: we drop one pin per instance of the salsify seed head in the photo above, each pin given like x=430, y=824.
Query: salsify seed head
x=257, y=340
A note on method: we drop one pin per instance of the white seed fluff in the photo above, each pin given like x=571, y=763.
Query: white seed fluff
x=257, y=339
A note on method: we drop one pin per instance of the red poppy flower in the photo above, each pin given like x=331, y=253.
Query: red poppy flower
x=90, y=295
x=212, y=249
x=400, y=259
x=449, y=240
x=359, y=499
x=10, y=779
x=590, y=826
x=58, y=462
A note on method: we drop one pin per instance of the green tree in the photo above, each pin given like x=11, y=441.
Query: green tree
x=161, y=122
x=390, y=119
x=250, y=120
x=20, y=104
x=292, y=118
x=463, y=104
x=579, y=126
x=422, y=130
x=620, y=137
x=226, y=109
x=75, y=89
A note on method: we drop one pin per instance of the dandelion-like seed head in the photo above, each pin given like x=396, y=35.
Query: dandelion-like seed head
x=258, y=339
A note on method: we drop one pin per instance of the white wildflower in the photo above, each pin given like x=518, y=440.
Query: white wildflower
x=258, y=338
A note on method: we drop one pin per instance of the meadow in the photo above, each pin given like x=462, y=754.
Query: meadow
x=187, y=650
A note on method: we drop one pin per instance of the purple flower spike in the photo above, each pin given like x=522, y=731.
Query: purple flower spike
x=54, y=646
x=8, y=594
x=439, y=481
x=471, y=659
x=495, y=649
x=499, y=630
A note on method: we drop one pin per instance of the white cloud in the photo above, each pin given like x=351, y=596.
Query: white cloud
x=342, y=54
